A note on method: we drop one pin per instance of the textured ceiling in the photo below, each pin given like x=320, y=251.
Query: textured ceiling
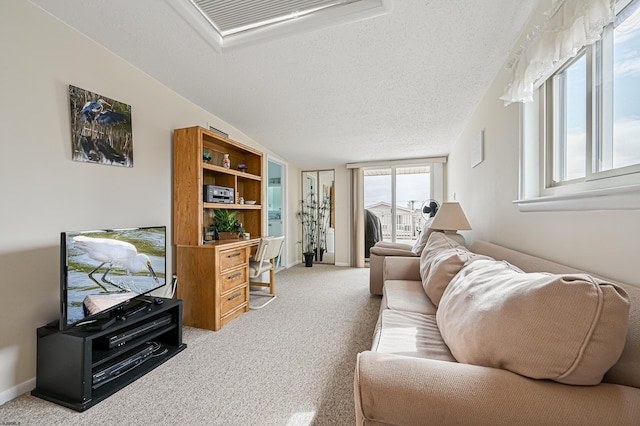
x=396, y=86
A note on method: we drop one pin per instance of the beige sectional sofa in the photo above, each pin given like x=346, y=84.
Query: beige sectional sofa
x=383, y=249
x=560, y=347
x=378, y=254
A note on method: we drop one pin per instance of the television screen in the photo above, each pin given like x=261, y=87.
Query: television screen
x=102, y=270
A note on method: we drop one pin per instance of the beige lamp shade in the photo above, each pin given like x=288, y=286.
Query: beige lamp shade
x=450, y=217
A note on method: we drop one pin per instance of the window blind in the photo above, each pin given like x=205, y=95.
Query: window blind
x=230, y=17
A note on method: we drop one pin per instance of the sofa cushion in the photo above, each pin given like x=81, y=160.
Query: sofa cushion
x=569, y=328
x=444, y=265
x=420, y=244
x=406, y=295
x=627, y=369
x=410, y=334
x=437, y=242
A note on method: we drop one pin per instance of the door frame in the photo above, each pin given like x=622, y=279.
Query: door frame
x=284, y=210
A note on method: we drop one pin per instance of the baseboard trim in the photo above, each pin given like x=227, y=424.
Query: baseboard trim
x=18, y=390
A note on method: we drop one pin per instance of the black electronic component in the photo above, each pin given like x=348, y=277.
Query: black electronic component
x=119, y=339
x=122, y=366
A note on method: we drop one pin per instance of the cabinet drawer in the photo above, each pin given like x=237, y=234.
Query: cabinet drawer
x=231, y=258
x=232, y=315
x=233, y=299
x=232, y=278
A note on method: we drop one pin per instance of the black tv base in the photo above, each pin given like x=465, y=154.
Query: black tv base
x=70, y=361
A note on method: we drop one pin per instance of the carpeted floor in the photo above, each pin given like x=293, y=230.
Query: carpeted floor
x=290, y=363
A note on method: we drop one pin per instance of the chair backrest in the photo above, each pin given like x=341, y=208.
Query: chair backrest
x=269, y=248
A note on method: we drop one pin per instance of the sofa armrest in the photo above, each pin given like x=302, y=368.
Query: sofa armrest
x=387, y=244
x=391, y=251
x=395, y=389
x=401, y=268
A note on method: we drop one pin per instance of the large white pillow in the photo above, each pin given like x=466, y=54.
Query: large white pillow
x=439, y=267
x=568, y=328
x=437, y=242
x=418, y=247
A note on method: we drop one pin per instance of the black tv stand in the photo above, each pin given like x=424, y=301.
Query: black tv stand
x=72, y=364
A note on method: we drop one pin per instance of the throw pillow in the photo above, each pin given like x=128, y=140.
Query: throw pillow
x=568, y=328
x=437, y=242
x=418, y=247
x=444, y=265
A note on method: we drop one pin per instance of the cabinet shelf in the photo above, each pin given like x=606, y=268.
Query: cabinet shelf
x=103, y=356
x=232, y=206
x=220, y=169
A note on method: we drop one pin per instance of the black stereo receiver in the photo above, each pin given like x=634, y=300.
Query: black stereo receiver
x=119, y=339
x=130, y=361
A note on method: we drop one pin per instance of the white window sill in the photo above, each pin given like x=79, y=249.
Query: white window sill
x=620, y=198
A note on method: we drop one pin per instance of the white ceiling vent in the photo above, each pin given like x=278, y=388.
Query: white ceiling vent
x=226, y=24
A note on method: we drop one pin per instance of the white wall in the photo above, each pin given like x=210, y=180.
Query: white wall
x=292, y=224
x=343, y=216
x=44, y=192
x=603, y=242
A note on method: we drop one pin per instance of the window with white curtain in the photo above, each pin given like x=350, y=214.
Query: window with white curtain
x=584, y=114
x=567, y=124
x=602, y=83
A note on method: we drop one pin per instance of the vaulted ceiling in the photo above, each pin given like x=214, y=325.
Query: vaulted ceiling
x=396, y=86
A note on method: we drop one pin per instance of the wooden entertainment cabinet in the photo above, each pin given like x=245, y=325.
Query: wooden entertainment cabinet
x=70, y=361
x=213, y=275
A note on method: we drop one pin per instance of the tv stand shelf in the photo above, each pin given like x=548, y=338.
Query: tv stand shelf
x=67, y=360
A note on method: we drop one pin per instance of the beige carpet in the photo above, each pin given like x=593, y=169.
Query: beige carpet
x=290, y=363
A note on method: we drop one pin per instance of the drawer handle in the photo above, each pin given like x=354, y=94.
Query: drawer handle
x=234, y=275
x=235, y=296
x=233, y=255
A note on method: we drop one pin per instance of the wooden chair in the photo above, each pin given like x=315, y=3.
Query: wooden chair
x=263, y=261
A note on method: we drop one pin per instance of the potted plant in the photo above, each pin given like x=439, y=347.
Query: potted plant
x=308, y=217
x=226, y=225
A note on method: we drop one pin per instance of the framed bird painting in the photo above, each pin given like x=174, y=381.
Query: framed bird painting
x=100, y=129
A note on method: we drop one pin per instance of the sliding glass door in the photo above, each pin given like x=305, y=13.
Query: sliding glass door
x=393, y=197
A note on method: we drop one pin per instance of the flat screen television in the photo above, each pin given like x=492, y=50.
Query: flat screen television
x=102, y=271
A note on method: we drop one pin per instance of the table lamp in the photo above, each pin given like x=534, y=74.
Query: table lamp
x=450, y=218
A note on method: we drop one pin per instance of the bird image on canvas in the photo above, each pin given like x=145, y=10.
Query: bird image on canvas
x=100, y=129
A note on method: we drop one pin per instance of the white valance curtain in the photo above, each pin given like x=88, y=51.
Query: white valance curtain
x=568, y=26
